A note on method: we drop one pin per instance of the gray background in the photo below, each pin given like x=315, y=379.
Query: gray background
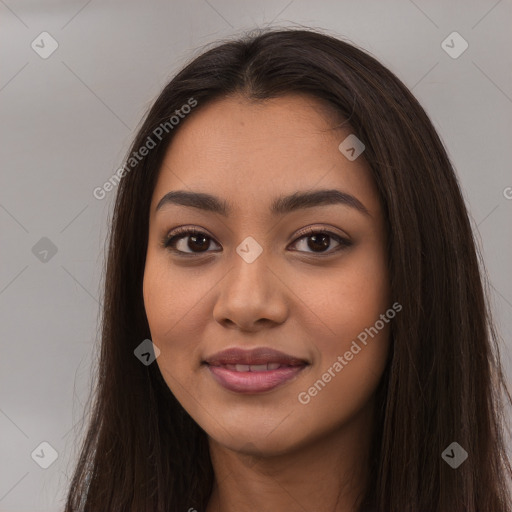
x=68, y=121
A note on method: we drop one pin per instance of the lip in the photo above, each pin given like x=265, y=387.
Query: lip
x=234, y=369
x=260, y=355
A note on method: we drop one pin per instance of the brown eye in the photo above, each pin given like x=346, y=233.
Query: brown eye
x=320, y=241
x=198, y=242
x=190, y=241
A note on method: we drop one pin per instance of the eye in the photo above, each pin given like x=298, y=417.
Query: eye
x=199, y=241
x=320, y=240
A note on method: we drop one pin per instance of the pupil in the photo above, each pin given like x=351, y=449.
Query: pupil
x=194, y=239
x=323, y=245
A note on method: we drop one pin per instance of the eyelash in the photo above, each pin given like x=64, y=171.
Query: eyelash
x=179, y=233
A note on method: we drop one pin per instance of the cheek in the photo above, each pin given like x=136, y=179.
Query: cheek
x=176, y=309
x=350, y=298
x=336, y=396
x=350, y=310
x=171, y=299
x=351, y=367
x=164, y=311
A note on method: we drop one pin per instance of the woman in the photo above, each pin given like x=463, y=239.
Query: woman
x=290, y=243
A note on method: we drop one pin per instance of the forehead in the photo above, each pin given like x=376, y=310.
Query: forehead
x=244, y=150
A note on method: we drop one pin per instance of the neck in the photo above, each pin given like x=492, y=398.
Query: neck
x=329, y=473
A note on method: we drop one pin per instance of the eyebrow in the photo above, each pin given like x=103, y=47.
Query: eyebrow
x=280, y=206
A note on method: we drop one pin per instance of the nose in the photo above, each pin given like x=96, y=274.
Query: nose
x=251, y=297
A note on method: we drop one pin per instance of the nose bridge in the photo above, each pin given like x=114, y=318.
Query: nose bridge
x=249, y=291
x=250, y=266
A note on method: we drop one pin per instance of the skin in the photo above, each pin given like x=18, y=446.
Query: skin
x=269, y=451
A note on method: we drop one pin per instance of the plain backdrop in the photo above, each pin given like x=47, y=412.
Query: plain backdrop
x=67, y=122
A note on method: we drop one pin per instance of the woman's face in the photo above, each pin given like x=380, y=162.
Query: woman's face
x=253, y=279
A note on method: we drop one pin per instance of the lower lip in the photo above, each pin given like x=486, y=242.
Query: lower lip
x=253, y=382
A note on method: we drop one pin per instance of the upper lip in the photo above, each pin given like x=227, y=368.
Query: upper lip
x=262, y=355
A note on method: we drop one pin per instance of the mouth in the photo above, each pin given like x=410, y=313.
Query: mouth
x=254, y=367
x=254, y=371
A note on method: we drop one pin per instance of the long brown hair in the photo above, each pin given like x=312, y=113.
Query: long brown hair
x=443, y=382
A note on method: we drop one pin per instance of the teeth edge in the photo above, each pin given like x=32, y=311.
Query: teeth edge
x=254, y=367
